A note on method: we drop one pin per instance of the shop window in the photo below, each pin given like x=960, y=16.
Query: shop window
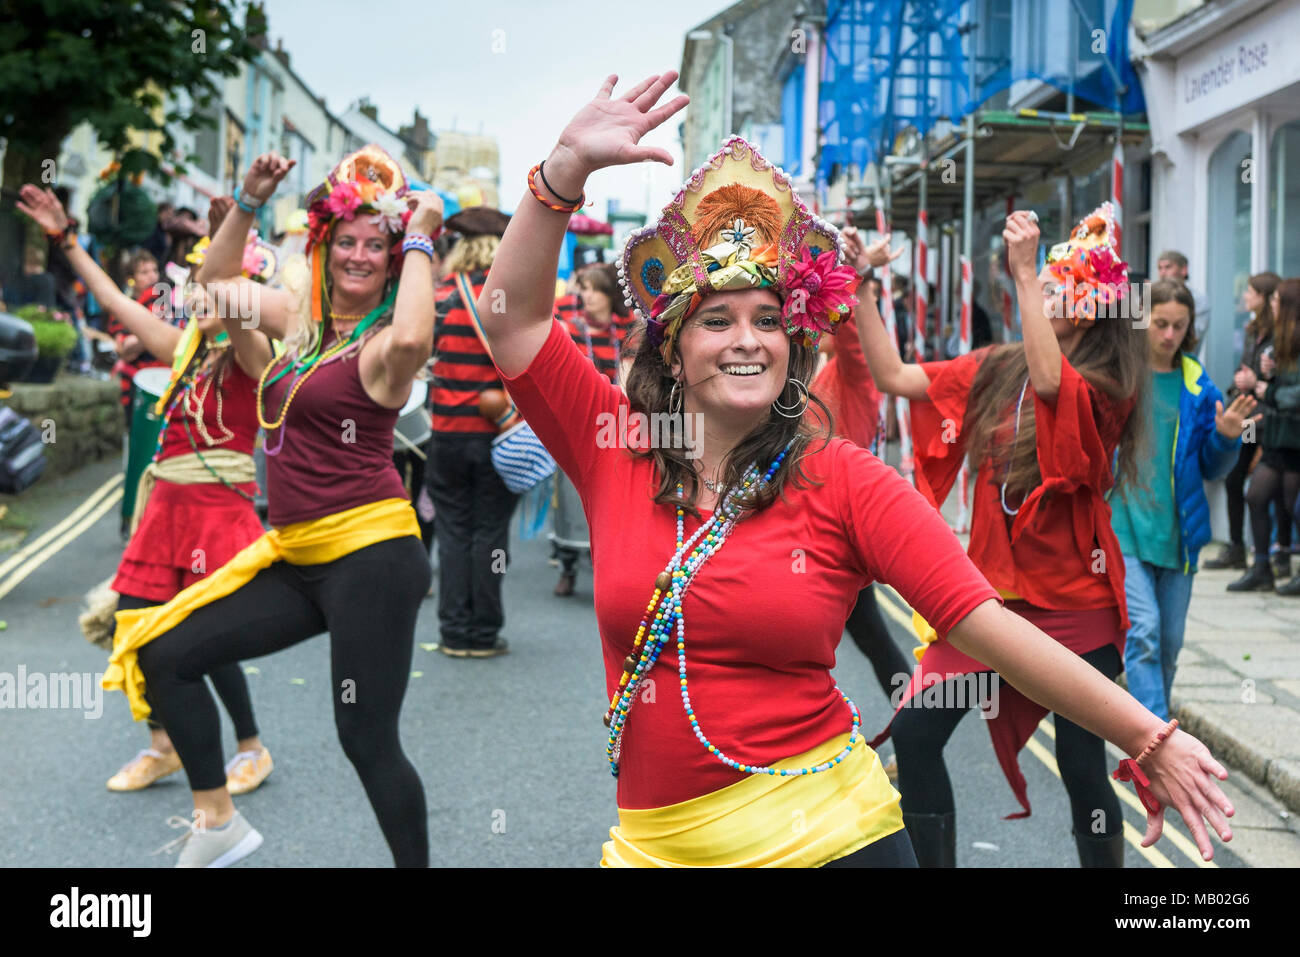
x=1227, y=261
x=1284, y=201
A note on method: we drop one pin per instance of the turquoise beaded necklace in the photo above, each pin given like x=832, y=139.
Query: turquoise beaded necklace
x=664, y=615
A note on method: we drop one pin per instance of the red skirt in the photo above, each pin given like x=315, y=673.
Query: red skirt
x=186, y=533
x=1081, y=631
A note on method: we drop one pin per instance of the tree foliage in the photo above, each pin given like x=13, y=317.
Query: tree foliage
x=112, y=64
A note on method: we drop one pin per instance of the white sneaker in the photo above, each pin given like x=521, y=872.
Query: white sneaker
x=213, y=847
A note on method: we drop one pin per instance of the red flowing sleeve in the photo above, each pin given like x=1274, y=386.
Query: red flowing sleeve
x=938, y=432
x=846, y=386
x=1076, y=439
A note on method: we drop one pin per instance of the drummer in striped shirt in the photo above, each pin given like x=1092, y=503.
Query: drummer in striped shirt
x=599, y=322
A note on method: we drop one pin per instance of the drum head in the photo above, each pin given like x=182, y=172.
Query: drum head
x=419, y=392
x=152, y=380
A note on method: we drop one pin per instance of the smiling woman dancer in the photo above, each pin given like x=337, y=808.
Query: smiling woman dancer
x=196, y=510
x=344, y=553
x=739, y=280
x=1042, y=421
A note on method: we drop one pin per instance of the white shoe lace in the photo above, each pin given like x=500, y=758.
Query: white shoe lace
x=250, y=757
x=171, y=847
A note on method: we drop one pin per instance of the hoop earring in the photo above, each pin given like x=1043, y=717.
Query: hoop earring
x=783, y=410
x=675, y=393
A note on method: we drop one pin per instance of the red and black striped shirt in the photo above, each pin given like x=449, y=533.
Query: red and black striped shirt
x=601, y=346
x=461, y=367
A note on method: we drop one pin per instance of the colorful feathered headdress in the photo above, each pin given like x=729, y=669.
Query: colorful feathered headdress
x=1093, y=278
x=737, y=224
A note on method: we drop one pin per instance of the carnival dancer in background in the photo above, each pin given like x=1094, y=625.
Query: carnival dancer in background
x=845, y=385
x=472, y=506
x=194, y=509
x=1162, y=522
x=739, y=280
x=598, y=328
x=344, y=552
x=1041, y=421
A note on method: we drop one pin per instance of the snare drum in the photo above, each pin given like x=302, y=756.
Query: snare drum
x=414, y=423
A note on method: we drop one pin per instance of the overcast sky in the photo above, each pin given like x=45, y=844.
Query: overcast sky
x=438, y=56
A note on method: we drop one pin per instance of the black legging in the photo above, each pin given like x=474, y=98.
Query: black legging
x=1235, y=487
x=868, y=631
x=1268, y=484
x=368, y=601
x=892, y=851
x=228, y=679
x=921, y=733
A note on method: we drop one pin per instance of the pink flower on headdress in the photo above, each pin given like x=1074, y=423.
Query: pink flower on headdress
x=1110, y=271
x=818, y=294
x=254, y=259
x=344, y=201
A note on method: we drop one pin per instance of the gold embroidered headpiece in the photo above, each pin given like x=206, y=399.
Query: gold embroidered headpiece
x=737, y=224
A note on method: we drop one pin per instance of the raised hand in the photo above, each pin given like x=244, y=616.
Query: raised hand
x=426, y=212
x=265, y=175
x=607, y=131
x=1182, y=773
x=1232, y=421
x=44, y=207
x=218, y=208
x=1021, y=237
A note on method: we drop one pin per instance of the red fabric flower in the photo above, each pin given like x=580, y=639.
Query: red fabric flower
x=818, y=294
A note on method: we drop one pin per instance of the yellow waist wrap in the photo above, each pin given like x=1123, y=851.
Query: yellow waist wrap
x=766, y=820
x=314, y=542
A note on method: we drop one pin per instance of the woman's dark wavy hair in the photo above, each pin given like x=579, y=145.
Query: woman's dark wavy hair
x=649, y=384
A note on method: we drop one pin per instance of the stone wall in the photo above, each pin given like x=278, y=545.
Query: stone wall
x=80, y=419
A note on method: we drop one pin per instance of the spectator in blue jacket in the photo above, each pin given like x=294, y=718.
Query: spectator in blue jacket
x=1162, y=525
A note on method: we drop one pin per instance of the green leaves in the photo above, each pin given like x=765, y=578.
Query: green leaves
x=115, y=65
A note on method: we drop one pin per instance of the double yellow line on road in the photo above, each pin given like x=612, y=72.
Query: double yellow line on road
x=896, y=608
x=37, y=552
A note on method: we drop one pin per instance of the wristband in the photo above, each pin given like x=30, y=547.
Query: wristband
x=537, y=194
x=418, y=241
x=244, y=204
x=541, y=169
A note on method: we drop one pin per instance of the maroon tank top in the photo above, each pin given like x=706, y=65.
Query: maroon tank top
x=337, y=450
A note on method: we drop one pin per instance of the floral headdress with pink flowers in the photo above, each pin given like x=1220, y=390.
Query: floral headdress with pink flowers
x=368, y=182
x=737, y=224
x=1087, y=265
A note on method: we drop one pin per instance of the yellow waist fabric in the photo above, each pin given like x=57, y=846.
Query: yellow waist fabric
x=315, y=542
x=926, y=634
x=766, y=820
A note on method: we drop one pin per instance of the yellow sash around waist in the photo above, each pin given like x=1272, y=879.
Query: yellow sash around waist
x=766, y=820
x=315, y=542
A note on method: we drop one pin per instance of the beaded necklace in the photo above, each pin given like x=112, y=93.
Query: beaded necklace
x=184, y=389
x=304, y=367
x=664, y=613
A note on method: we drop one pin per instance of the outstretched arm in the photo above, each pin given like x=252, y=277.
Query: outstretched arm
x=890, y=373
x=1182, y=770
x=518, y=300
x=155, y=335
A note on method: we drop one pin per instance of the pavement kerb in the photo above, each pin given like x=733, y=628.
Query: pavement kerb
x=1281, y=777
